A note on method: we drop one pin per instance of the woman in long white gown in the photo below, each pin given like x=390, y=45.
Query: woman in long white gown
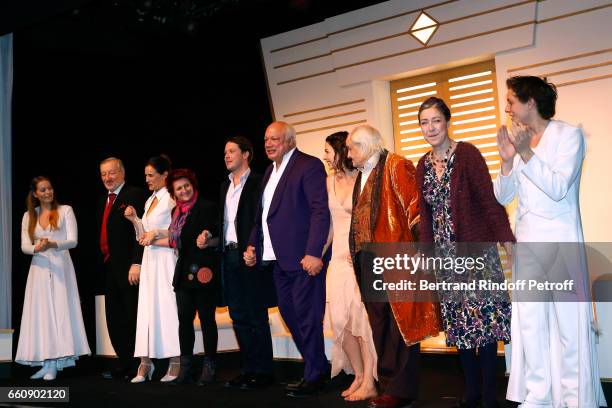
x=52, y=333
x=157, y=319
x=353, y=348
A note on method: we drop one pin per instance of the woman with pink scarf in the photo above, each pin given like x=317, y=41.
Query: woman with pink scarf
x=195, y=282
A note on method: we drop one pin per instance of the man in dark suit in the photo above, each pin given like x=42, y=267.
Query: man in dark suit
x=249, y=291
x=289, y=236
x=120, y=256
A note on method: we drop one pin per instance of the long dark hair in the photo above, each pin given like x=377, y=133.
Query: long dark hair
x=338, y=142
x=32, y=202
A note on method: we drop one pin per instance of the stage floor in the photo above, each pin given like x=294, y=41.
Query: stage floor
x=440, y=386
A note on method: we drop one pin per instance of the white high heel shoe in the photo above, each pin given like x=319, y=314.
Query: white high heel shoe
x=41, y=373
x=146, y=375
x=168, y=377
x=51, y=372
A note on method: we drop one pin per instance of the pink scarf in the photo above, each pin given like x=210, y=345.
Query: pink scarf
x=179, y=216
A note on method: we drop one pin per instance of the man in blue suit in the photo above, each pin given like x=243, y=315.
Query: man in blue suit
x=290, y=236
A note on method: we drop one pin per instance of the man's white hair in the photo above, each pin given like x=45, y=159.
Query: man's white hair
x=113, y=159
x=368, y=138
x=288, y=131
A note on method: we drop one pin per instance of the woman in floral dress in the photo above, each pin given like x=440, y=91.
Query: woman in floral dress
x=458, y=206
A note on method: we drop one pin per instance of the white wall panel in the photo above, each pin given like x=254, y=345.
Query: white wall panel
x=385, y=10
x=553, y=8
x=451, y=11
x=484, y=23
x=440, y=57
x=313, y=49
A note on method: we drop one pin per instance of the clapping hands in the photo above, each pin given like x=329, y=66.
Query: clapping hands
x=42, y=245
x=505, y=145
x=520, y=137
x=509, y=143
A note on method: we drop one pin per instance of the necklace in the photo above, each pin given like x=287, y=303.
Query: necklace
x=441, y=162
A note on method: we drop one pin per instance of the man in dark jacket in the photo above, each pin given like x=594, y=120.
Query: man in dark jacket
x=249, y=291
x=120, y=256
x=290, y=233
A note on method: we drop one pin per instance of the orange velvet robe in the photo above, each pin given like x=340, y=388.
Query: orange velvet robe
x=387, y=210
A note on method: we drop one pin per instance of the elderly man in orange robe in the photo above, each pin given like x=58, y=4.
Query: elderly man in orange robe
x=386, y=209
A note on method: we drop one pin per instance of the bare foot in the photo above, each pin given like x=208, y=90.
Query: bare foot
x=354, y=387
x=363, y=393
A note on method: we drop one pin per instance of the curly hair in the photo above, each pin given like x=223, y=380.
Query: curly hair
x=178, y=174
x=531, y=87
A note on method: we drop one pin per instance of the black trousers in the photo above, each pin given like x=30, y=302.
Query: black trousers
x=475, y=370
x=121, y=304
x=397, y=363
x=249, y=313
x=188, y=301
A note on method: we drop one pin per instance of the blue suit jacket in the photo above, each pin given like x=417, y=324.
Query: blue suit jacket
x=298, y=219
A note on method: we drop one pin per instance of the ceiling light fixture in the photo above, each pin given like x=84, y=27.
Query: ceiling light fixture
x=423, y=28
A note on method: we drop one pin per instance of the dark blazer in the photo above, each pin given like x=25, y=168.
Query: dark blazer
x=203, y=216
x=298, y=219
x=477, y=216
x=247, y=210
x=123, y=248
x=258, y=281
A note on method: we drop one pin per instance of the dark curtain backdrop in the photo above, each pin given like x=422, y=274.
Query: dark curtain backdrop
x=94, y=83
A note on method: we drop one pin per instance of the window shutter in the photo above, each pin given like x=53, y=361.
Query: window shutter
x=471, y=94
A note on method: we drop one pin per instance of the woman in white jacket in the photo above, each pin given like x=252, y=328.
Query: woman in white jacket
x=553, y=358
x=52, y=333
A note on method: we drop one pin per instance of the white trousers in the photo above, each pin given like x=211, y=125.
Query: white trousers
x=539, y=322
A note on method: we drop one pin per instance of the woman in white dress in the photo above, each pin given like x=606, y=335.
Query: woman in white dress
x=554, y=356
x=52, y=333
x=353, y=348
x=157, y=319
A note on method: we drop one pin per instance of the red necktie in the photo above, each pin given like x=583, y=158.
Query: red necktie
x=103, y=237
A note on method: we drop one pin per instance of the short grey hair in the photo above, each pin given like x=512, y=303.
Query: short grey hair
x=368, y=138
x=288, y=130
x=113, y=159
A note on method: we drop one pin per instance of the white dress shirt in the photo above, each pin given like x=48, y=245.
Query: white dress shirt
x=368, y=166
x=232, y=199
x=275, y=176
x=116, y=191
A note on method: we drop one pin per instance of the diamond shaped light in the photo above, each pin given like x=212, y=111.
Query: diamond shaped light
x=423, y=28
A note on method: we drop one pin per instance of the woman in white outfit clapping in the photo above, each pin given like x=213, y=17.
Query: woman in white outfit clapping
x=52, y=333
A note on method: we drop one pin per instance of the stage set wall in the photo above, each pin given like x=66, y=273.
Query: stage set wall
x=335, y=75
